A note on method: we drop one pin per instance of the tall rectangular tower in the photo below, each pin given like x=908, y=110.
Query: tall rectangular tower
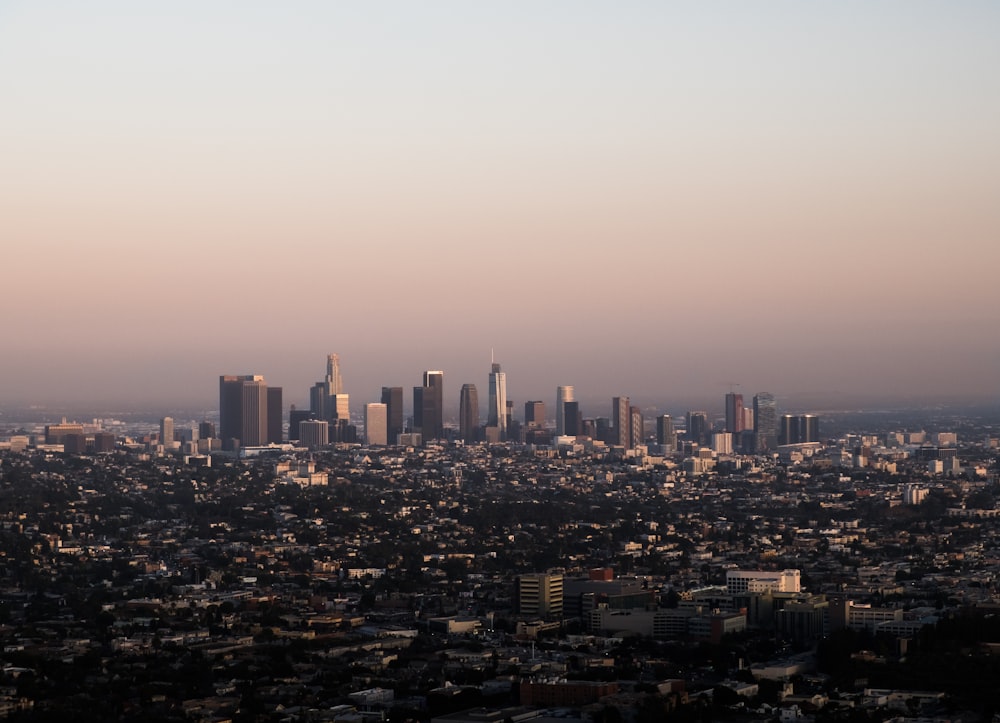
x=468, y=413
x=621, y=422
x=392, y=398
x=563, y=394
x=275, y=433
x=765, y=421
x=498, y=401
x=734, y=413
x=432, y=406
x=242, y=411
x=376, y=424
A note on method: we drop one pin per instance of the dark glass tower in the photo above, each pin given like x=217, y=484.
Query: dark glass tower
x=765, y=421
x=468, y=413
x=392, y=398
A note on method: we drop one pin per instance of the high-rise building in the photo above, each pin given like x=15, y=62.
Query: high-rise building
x=468, y=413
x=392, y=398
x=275, y=420
x=242, y=411
x=431, y=406
x=333, y=377
x=167, y=432
x=665, y=435
x=340, y=406
x=534, y=414
x=498, y=402
x=206, y=430
x=314, y=433
x=765, y=421
x=295, y=419
x=637, y=432
x=798, y=429
x=734, y=413
x=540, y=595
x=621, y=421
x=376, y=424
x=572, y=419
x=697, y=427
x=563, y=394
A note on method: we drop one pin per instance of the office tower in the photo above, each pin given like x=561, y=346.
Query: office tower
x=295, y=419
x=563, y=394
x=431, y=414
x=242, y=411
x=540, y=595
x=798, y=429
x=665, y=435
x=206, y=430
x=722, y=442
x=765, y=421
x=697, y=427
x=340, y=407
x=167, y=432
x=572, y=419
x=392, y=398
x=637, y=434
x=734, y=413
x=809, y=428
x=376, y=424
x=333, y=377
x=603, y=430
x=314, y=433
x=621, y=421
x=318, y=396
x=534, y=414
x=418, y=409
x=275, y=433
x=468, y=413
x=497, y=416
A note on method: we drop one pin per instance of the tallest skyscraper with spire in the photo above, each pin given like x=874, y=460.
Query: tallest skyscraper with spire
x=336, y=384
x=498, y=402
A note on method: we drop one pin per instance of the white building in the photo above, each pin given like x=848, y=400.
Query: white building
x=739, y=582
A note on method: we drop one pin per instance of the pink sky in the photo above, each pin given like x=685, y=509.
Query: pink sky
x=635, y=199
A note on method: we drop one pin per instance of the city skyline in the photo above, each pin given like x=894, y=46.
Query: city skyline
x=799, y=198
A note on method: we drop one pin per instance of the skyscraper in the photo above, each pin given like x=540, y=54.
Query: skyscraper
x=167, y=432
x=697, y=427
x=621, y=422
x=498, y=402
x=534, y=414
x=734, y=413
x=563, y=394
x=242, y=411
x=765, y=421
x=468, y=413
x=274, y=416
x=431, y=406
x=637, y=432
x=376, y=424
x=333, y=374
x=314, y=433
x=572, y=419
x=799, y=429
x=665, y=434
x=392, y=398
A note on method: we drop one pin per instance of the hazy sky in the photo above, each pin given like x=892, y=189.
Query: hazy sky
x=645, y=198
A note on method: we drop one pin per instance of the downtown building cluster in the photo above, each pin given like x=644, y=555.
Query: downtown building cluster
x=251, y=416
